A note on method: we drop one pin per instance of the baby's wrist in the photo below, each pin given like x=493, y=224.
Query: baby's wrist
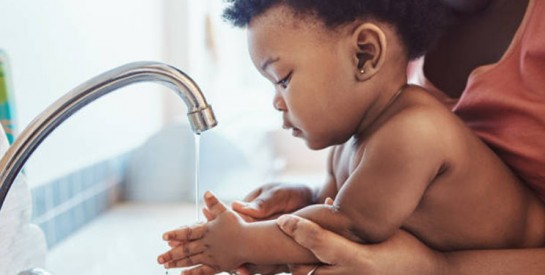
x=243, y=243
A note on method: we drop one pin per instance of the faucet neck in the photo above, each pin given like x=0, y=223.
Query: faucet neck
x=200, y=114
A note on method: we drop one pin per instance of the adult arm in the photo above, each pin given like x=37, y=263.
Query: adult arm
x=497, y=262
x=403, y=254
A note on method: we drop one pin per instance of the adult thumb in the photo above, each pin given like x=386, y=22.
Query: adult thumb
x=327, y=246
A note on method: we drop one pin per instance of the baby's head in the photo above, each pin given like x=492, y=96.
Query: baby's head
x=330, y=60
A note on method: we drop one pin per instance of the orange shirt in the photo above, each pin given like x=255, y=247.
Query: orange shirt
x=504, y=103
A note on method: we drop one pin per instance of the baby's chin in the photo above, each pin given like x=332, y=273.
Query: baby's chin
x=322, y=143
x=315, y=145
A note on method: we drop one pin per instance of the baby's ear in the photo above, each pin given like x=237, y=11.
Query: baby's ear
x=369, y=46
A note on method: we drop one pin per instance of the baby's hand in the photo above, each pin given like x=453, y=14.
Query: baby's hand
x=216, y=245
x=272, y=200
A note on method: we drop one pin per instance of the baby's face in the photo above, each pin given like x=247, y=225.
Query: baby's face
x=312, y=70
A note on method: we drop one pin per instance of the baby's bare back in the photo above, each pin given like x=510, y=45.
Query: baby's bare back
x=476, y=202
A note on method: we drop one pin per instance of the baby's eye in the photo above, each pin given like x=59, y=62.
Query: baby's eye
x=284, y=81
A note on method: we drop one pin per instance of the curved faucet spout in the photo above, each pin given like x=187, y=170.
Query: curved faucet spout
x=200, y=113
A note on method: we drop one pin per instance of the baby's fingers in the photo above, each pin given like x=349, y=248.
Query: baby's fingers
x=193, y=260
x=180, y=252
x=173, y=244
x=200, y=270
x=188, y=233
x=215, y=206
x=209, y=215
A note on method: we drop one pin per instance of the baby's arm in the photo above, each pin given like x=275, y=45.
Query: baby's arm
x=226, y=241
x=391, y=175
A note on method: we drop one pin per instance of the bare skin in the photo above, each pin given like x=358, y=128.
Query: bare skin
x=401, y=254
x=447, y=66
x=400, y=159
x=341, y=256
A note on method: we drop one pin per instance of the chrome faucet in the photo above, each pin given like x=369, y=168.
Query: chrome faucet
x=200, y=113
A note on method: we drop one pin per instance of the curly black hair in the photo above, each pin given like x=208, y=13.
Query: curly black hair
x=418, y=22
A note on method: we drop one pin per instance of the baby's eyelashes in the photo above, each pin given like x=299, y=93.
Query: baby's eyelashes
x=284, y=81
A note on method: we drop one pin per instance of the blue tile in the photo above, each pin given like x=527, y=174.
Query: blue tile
x=53, y=194
x=49, y=197
x=97, y=207
x=77, y=185
x=101, y=171
x=63, y=226
x=39, y=205
x=102, y=201
x=50, y=234
x=56, y=192
x=89, y=209
x=66, y=189
x=78, y=215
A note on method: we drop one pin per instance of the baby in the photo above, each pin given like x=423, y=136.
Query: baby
x=399, y=158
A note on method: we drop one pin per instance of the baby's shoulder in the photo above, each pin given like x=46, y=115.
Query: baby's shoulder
x=420, y=120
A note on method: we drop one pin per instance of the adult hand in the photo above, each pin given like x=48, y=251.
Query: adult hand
x=401, y=254
x=272, y=200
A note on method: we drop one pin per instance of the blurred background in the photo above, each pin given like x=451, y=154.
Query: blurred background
x=128, y=160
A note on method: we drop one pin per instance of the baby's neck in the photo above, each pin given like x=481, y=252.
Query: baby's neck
x=388, y=97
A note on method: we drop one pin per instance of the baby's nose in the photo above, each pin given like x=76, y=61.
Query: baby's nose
x=278, y=104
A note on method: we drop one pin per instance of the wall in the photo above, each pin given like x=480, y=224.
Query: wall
x=54, y=46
